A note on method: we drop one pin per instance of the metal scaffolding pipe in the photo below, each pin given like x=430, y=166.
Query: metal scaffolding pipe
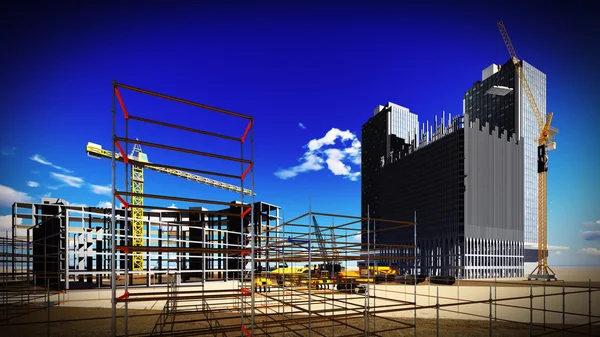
x=148, y=92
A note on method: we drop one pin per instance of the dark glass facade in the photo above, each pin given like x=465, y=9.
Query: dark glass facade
x=498, y=111
x=466, y=188
x=377, y=146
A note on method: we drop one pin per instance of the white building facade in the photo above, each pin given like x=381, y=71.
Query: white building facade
x=401, y=122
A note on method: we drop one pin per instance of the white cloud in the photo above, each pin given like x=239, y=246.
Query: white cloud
x=8, y=151
x=5, y=223
x=311, y=163
x=77, y=205
x=8, y=196
x=172, y=206
x=598, y=222
x=329, y=138
x=105, y=204
x=6, y=226
x=99, y=189
x=301, y=126
x=589, y=251
x=337, y=160
x=357, y=238
x=353, y=152
x=591, y=235
x=69, y=180
x=335, y=165
x=32, y=184
x=47, y=195
x=42, y=160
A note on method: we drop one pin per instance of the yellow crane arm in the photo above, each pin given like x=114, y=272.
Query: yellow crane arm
x=96, y=151
x=543, y=126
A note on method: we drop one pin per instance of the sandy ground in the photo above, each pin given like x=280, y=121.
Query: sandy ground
x=577, y=273
x=96, y=322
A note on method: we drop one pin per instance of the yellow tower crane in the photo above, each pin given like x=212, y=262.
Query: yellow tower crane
x=545, y=144
x=137, y=187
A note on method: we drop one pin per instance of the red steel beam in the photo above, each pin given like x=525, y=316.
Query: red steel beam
x=125, y=203
x=247, y=130
x=246, y=172
x=246, y=212
x=121, y=103
x=125, y=159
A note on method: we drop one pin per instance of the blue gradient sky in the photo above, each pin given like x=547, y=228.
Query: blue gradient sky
x=324, y=66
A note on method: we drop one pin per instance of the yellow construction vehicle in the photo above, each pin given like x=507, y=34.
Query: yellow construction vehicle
x=262, y=283
x=287, y=276
x=381, y=273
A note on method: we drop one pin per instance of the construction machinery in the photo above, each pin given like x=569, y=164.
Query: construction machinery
x=320, y=275
x=381, y=273
x=139, y=161
x=545, y=144
x=324, y=273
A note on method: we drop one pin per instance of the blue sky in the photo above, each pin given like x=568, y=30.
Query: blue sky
x=303, y=71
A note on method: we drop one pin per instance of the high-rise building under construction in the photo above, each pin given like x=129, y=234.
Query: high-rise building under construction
x=463, y=177
x=499, y=99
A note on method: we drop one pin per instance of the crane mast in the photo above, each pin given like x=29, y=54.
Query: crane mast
x=545, y=144
x=137, y=224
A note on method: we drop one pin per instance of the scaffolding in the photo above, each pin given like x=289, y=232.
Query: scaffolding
x=243, y=209
x=303, y=303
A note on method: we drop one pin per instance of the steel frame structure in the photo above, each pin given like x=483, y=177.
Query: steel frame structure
x=244, y=209
x=84, y=240
x=298, y=301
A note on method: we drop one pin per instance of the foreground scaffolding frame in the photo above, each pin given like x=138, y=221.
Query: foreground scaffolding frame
x=289, y=290
x=302, y=308
x=135, y=249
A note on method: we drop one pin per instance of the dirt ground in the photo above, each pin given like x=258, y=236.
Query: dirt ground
x=69, y=321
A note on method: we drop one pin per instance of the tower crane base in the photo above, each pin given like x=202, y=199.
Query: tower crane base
x=542, y=277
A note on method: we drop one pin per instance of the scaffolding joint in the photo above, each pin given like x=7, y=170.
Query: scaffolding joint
x=125, y=203
x=247, y=130
x=246, y=172
x=124, y=296
x=121, y=103
x=246, y=212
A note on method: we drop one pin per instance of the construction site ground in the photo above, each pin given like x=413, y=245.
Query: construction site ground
x=88, y=313
x=88, y=322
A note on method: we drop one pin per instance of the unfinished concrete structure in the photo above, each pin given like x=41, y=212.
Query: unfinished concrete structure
x=70, y=245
